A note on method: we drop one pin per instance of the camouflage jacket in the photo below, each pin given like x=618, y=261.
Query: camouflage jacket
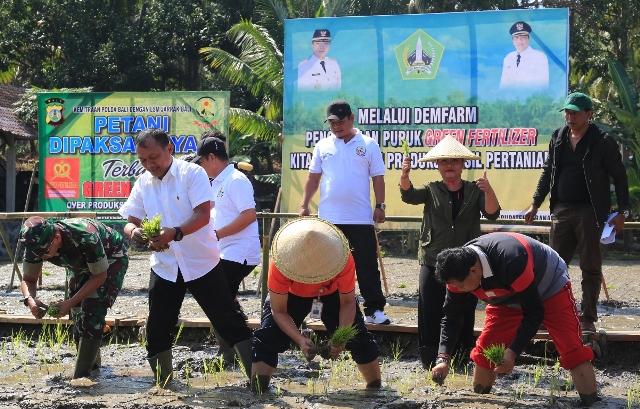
x=88, y=247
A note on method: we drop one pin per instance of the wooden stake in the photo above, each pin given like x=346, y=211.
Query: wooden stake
x=384, y=275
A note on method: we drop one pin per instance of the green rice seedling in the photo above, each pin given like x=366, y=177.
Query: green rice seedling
x=537, y=374
x=175, y=342
x=521, y=388
x=311, y=387
x=255, y=273
x=568, y=383
x=405, y=148
x=53, y=311
x=495, y=354
x=278, y=387
x=343, y=334
x=402, y=285
x=187, y=375
x=396, y=351
x=60, y=335
x=219, y=364
x=151, y=228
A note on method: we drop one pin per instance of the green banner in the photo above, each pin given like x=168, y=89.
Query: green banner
x=88, y=159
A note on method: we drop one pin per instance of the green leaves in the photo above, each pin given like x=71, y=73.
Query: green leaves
x=151, y=227
x=344, y=334
x=405, y=147
x=495, y=354
x=627, y=90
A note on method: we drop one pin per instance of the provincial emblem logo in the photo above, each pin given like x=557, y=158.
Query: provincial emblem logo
x=419, y=56
x=361, y=151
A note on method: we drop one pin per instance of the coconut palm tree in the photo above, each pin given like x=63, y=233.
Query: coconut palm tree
x=259, y=67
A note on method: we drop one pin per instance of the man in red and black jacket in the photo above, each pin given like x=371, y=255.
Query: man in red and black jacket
x=525, y=283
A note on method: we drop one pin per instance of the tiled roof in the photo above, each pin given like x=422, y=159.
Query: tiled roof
x=9, y=122
x=9, y=95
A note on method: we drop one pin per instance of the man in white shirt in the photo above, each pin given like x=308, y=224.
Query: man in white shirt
x=234, y=215
x=185, y=257
x=319, y=72
x=525, y=67
x=343, y=166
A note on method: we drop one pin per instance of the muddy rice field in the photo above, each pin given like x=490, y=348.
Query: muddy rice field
x=36, y=361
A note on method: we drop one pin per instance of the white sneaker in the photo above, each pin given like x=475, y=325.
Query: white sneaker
x=377, y=317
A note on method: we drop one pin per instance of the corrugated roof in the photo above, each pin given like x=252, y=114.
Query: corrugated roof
x=9, y=122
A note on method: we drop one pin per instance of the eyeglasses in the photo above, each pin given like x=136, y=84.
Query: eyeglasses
x=321, y=41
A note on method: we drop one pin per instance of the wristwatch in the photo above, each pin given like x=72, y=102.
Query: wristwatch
x=381, y=206
x=626, y=214
x=442, y=360
x=25, y=301
x=178, y=235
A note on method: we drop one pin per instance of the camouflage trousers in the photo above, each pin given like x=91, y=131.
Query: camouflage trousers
x=89, y=315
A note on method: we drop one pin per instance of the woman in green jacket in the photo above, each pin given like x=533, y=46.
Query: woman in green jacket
x=451, y=217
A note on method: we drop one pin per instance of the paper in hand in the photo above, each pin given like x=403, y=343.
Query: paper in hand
x=609, y=232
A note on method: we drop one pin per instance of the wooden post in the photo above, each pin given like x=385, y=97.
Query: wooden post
x=384, y=275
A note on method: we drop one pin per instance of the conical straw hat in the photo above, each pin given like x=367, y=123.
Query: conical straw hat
x=448, y=148
x=309, y=250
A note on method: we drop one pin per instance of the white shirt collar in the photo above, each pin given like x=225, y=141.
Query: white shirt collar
x=486, y=268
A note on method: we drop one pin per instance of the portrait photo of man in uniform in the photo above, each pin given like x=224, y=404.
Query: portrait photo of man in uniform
x=525, y=67
x=319, y=72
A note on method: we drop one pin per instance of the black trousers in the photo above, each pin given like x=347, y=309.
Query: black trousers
x=362, y=238
x=270, y=340
x=212, y=294
x=431, y=294
x=235, y=273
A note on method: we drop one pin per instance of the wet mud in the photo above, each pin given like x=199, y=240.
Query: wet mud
x=36, y=364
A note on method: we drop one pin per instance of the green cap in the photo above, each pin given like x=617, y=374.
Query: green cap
x=577, y=101
x=36, y=235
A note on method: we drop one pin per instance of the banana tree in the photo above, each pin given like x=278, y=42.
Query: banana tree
x=628, y=128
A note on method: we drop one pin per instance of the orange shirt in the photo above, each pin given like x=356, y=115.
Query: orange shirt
x=345, y=282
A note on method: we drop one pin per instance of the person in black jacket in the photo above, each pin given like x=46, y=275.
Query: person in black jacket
x=525, y=283
x=582, y=158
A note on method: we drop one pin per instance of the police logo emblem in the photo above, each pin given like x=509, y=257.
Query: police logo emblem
x=55, y=111
x=361, y=151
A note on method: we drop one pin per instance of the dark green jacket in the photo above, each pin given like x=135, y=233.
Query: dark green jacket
x=438, y=230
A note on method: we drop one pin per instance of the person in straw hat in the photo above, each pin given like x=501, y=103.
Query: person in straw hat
x=451, y=217
x=311, y=272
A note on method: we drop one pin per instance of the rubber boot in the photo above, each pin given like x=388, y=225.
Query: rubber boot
x=428, y=356
x=227, y=353
x=88, y=350
x=162, y=362
x=98, y=363
x=244, y=350
x=260, y=384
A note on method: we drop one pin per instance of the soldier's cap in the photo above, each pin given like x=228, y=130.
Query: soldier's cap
x=322, y=34
x=37, y=234
x=520, y=28
x=207, y=146
x=577, y=101
x=338, y=109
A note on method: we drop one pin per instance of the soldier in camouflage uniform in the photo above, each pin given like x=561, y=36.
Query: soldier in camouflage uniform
x=96, y=261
